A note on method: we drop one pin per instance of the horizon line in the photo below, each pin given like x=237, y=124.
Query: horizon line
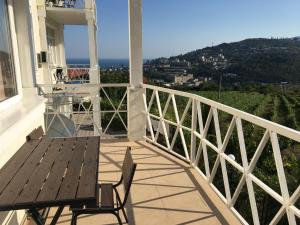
x=107, y=58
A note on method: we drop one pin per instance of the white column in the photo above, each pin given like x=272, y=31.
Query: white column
x=46, y=76
x=94, y=69
x=25, y=46
x=61, y=45
x=34, y=23
x=136, y=117
x=92, y=29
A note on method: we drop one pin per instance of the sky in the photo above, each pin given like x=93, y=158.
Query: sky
x=173, y=27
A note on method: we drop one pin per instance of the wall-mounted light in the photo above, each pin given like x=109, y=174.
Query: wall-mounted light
x=44, y=57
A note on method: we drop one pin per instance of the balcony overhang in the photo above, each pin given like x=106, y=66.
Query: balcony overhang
x=67, y=16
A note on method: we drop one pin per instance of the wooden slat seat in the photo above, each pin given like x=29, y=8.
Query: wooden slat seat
x=106, y=195
x=108, y=191
x=36, y=134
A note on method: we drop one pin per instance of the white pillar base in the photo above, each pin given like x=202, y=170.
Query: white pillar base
x=136, y=116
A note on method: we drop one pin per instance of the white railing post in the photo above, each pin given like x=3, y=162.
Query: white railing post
x=193, y=130
x=249, y=182
x=161, y=123
x=281, y=177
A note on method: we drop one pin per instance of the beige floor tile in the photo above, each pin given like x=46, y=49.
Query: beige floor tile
x=165, y=191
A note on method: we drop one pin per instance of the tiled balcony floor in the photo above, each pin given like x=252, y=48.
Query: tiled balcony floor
x=166, y=190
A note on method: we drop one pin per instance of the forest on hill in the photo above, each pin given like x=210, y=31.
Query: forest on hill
x=252, y=60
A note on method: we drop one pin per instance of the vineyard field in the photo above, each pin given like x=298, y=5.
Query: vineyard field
x=279, y=108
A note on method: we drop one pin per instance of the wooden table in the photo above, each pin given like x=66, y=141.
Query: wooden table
x=54, y=172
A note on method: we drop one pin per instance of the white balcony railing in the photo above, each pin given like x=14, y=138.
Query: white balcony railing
x=79, y=4
x=72, y=109
x=247, y=160
x=227, y=145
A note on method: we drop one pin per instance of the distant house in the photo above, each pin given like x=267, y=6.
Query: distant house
x=181, y=64
x=230, y=75
x=176, y=70
x=179, y=79
x=183, y=78
x=164, y=66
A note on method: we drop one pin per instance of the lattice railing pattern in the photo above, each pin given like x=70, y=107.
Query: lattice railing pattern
x=78, y=73
x=116, y=108
x=73, y=110
x=200, y=133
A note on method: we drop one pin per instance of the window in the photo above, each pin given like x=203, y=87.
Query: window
x=8, y=86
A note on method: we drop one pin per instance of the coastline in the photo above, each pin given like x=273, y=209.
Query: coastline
x=104, y=63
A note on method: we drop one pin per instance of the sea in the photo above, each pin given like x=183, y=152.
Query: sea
x=104, y=63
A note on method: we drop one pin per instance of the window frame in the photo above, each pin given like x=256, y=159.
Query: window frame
x=16, y=63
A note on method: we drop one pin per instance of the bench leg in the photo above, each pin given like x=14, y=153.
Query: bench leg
x=57, y=215
x=74, y=218
x=38, y=218
x=125, y=216
x=118, y=217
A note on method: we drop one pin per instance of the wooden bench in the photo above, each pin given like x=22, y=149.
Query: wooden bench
x=36, y=134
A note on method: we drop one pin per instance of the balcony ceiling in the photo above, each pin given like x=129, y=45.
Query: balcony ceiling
x=67, y=16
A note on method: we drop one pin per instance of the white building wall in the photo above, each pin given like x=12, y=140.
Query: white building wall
x=24, y=112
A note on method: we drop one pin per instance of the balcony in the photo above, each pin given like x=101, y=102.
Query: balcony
x=69, y=12
x=193, y=148
x=65, y=3
x=199, y=161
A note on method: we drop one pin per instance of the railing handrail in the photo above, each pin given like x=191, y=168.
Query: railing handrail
x=74, y=65
x=261, y=122
x=71, y=4
x=246, y=167
x=84, y=85
x=77, y=66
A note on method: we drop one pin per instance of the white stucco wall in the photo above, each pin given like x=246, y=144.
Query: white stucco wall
x=17, y=121
x=24, y=112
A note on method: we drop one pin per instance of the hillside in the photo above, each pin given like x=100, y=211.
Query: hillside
x=258, y=60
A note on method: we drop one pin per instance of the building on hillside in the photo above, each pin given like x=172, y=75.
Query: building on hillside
x=176, y=70
x=179, y=78
x=184, y=64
